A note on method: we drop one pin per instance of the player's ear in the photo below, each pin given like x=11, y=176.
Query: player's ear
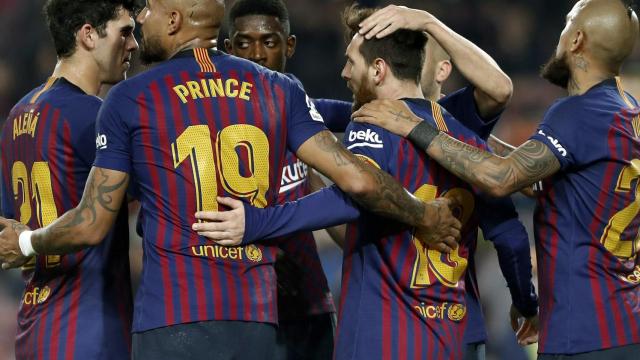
x=577, y=41
x=228, y=46
x=379, y=70
x=443, y=71
x=291, y=46
x=175, y=22
x=86, y=37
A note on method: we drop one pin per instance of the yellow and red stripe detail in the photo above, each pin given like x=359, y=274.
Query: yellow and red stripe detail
x=204, y=60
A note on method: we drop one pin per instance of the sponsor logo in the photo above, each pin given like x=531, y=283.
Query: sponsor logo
x=254, y=253
x=367, y=138
x=315, y=115
x=555, y=143
x=101, y=142
x=452, y=311
x=251, y=252
x=37, y=296
x=293, y=175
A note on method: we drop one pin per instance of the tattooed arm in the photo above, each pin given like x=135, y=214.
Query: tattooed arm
x=497, y=176
x=376, y=190
x=85, y=225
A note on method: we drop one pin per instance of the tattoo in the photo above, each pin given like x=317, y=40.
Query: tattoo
x=328, y=143
x=529, y=163
x=98, y=196
x=581, y=63
x=499, y=147
x=400, y=116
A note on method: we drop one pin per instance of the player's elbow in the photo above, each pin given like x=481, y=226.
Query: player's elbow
x=359, y=187
x=503, y=91
x=497, y=190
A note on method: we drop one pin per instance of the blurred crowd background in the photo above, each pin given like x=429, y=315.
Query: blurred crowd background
x=521, y=35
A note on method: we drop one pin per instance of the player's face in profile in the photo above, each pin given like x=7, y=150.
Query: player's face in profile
x=151, y=47
x=557, y=70
x=261, y=39
x=113, y=51
x=355, y=73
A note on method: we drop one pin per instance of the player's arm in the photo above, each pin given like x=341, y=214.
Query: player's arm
x=336, y=233
x=502, y=148
x=495, y=175
x=377, y=191
x=85, y=225
x=493, y=88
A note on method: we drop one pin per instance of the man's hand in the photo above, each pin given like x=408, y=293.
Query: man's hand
x=225, y=228
x=385, y=21
x=526, y=329
x=10, y=253
x=393, y=115
x=442, y=230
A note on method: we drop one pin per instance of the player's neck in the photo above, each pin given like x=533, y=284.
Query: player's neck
x=80, y=73
x=206, y=40
x=399, y=90
x=581, y=81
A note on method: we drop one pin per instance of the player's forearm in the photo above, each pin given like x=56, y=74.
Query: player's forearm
x=514, y=257
x=475, y=65
x=500, y=147
x=89, y=222
x=325, y=208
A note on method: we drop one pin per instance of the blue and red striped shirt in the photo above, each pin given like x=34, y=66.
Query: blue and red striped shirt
x=586, y=223
x=202, y=120
x=76, y=306
x=399, y=298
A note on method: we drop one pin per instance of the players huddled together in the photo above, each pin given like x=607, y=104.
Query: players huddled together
x=223, y=149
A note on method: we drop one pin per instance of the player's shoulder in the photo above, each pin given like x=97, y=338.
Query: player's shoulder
x=438, y=116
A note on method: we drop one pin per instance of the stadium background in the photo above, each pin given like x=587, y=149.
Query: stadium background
x=520, y=35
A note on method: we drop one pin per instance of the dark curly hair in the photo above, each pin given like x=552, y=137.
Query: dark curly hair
x=66, y=17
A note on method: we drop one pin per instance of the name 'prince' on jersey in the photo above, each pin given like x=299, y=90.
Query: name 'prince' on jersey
x=401, y=299
x=200, y=121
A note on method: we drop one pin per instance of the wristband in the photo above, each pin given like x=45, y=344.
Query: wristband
x=422, y=135
x=24, y=240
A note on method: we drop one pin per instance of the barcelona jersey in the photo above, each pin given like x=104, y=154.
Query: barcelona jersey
x=76, y=306
x=200, y=125
x=400, y=299
x=586, y=223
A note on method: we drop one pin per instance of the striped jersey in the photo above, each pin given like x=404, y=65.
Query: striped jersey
x=586, y=223
x=76, y=306
x=200, y=125
x=399, y=298
x=302, y=285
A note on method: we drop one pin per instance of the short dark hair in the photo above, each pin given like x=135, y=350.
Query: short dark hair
x=275, y=8
x=403, y=50
x=66, y=17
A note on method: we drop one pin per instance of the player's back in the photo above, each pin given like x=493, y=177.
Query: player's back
x=68, y=307
x=587, y=223
x=200, y=125
x=401, y=299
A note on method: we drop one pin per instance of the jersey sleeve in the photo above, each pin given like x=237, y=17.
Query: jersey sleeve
x=369, y=142
x=558, y=132
x=462, y=105
x=112, y=141
x=83, y=129
x=336, y=113
x=304, y=120
x=499, y=223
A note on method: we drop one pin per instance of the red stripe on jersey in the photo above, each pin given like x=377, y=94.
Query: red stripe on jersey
x=54, y=337
x=183, y=285
x=155, y=180
x=244, y=280
x=196, y=263
x=216, y=288
x=77, y=281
